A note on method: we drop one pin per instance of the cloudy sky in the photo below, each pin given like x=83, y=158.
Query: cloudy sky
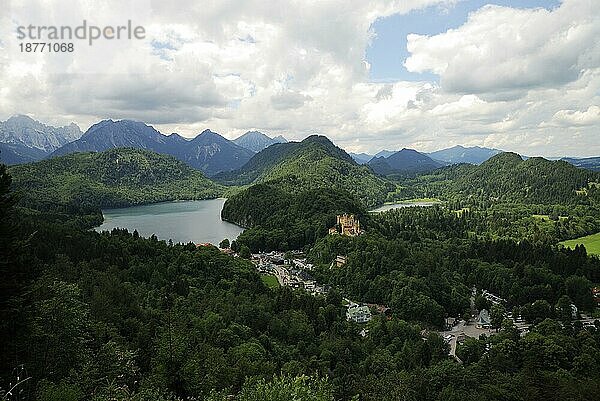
x=521, y=75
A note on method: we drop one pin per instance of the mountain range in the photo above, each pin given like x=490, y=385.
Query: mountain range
x=405, y=160
x=23, y=139
x=589, y=163
x=364, y=158
x=385, y=153
x=361, y=158
x=453, y=155
x=314, y=167
x=257, y=141
x=460, y=154
x=208, y=152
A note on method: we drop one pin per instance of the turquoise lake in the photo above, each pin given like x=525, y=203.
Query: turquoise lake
x=182, y=221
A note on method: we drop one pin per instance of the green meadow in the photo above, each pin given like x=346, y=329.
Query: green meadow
x=591, y=243
x=270, y=281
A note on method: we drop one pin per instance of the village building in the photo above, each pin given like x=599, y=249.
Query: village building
x=596, y=295
x=492, y=297
x=483, y=320
x=358, y=314
x=340, y=261
x=450, y=323
x=381, y=309
x=302, y=264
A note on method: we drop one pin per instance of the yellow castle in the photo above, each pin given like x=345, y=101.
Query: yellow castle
x=347, y=224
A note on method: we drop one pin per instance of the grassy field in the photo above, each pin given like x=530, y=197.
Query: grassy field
x=270, y=281
x=591, y=243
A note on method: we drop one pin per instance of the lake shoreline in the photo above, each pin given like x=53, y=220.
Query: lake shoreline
x=403, y=204
x=161, y=202
x=184, y=221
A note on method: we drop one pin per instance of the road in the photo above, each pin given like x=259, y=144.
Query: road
x=469, y=330
x=281, y=275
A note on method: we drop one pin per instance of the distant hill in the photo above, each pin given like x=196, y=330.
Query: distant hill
x=116, y=177
x=589, y=163
x=384, y=153
x=212, y=153
x=461, y=154
x=257, y=141
x=23, y=139
x=360, y=158
x=17, y=153
x=313, y=163
x=109, y=134
x=507, y=177
x=405, y=160
x=209, y=152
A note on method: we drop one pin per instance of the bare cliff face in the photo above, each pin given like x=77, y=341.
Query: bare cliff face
x=23, y=139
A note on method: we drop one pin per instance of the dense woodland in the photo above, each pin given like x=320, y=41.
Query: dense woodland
x=313, y=164
x=507, y=177
x=277, y=220
x=84, y=182
x=88, y=315
x=116, y=316
x=426, y=274
x=505, y=197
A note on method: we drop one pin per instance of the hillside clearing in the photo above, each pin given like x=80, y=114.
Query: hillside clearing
x=591, y=243
x=270, y=281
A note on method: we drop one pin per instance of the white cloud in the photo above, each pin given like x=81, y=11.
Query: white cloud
x=289, y=100
x=298, y=67
x=502, y=49
x=576, y=118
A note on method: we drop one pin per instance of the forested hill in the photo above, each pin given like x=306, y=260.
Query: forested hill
x=270, y=158
x=311, y=164
x=116, y=177
x=507, y=177
x=298, y=188
x=280, y=220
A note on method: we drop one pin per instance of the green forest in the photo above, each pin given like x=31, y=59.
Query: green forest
x=80, y=182
x=314, y=163
x=114, y=316
x=506, y=177
x=276, y=220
